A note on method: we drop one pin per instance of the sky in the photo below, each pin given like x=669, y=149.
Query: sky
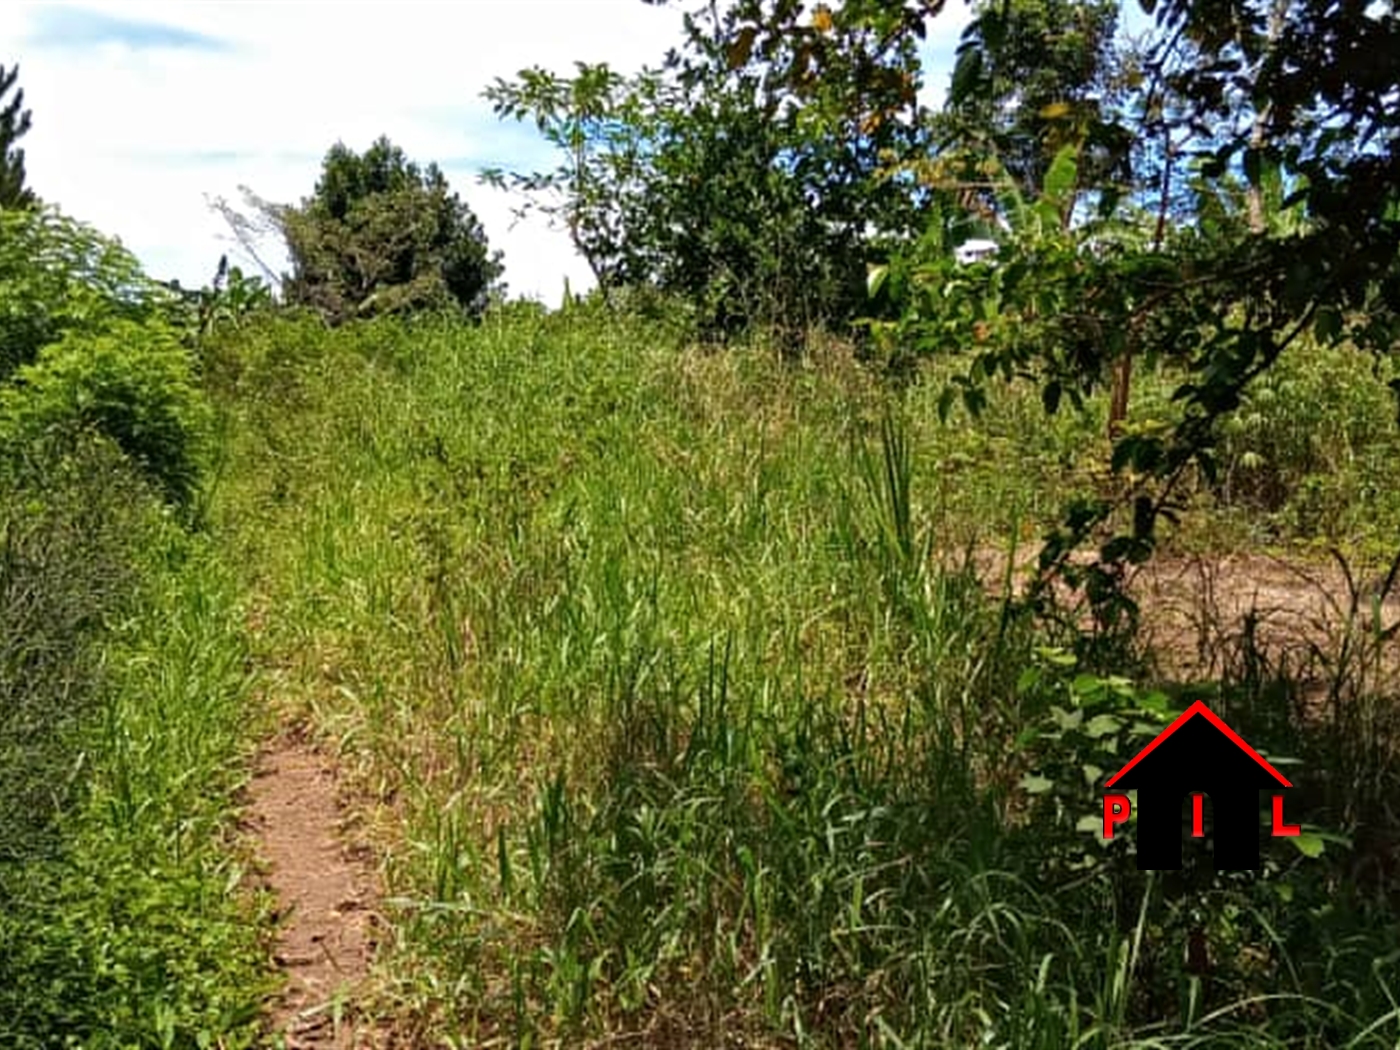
x=144, y=111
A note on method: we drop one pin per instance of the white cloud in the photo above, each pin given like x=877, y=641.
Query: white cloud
x=148, y=107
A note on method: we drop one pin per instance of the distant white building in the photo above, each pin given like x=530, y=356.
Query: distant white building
x=974, y=251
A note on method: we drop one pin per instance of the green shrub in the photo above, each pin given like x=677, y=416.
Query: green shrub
x=58, y=275
x=1312, y=442
x=134, y=384
x=127, y=930
x=71, y=520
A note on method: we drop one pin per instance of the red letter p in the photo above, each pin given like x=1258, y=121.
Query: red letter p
x=1116, y=809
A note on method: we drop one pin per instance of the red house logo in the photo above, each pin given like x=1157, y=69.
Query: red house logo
x=1198, y=754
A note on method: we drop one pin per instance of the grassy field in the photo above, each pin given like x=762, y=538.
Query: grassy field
x=680, y=717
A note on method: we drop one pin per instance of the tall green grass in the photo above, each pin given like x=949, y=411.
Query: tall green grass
x=678, y=722
x=124, y=921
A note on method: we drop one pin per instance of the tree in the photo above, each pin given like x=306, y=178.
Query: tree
x=1031, y=77
x=380, y=235
x=1298, y=101
x=731, y=231
x=14, y=123
x=59, y=276
x=733, y=177
x=801, y=125
x=599, y=123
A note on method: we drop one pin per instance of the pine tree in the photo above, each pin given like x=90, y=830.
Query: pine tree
x=14, y=122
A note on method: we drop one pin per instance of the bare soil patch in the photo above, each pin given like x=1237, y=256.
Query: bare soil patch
x=326, y=894
x=1197, y=612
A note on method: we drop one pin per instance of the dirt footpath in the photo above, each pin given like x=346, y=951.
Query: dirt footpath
x=325, y=890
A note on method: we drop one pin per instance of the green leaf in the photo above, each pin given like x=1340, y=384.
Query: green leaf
x=967, y=75
x=875, y=280
x=1102, y=725
x=1090, y=823
x=1062, y=177
x=974, y=400
x=1328, y=325
x=1308, y=844
x=945, y=403
x=1154, y=701
x=1047, y=210
x=1086, y=686
x=1035, y=784
x=1056, y=656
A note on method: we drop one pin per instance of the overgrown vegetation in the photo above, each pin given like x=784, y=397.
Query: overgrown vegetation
x=692, y=722
x=122, y=925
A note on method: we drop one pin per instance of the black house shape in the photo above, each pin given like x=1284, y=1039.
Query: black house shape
x=1198, y=752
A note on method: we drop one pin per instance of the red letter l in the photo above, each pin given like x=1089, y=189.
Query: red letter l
x=1280, y=828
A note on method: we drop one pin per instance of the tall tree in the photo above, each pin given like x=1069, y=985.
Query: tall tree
x=14, y=123
x=1031, y=77
x=1300, y=101
x=381, y=235
x=756, y=175
x=826, y=100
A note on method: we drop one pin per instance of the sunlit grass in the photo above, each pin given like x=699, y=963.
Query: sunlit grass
x=678, y=714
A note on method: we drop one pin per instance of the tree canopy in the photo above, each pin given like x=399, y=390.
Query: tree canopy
x=381, y=235
x=58, y=276
x=709, y=179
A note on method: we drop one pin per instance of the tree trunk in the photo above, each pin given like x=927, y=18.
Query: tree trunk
x=1123, y=374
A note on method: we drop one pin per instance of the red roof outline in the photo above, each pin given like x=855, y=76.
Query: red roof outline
x=1199, y=708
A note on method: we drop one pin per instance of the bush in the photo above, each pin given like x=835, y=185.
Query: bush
x=71, y=520
x=1313, y=441
x=58, y=275
x=119, y=923
x=134, y=384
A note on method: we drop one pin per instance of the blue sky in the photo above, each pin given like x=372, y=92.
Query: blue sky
x=144, y=110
